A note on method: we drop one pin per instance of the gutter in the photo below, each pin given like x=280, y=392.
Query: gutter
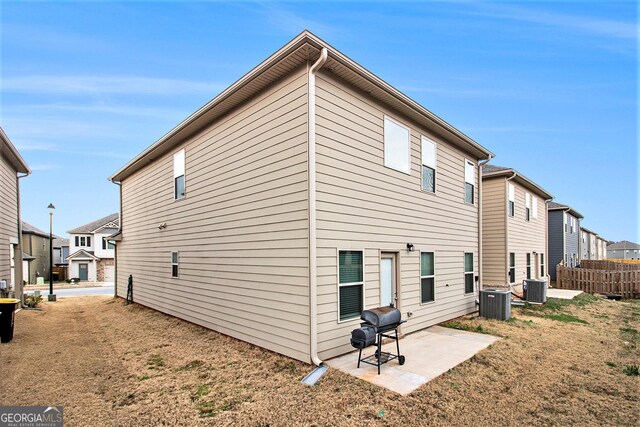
x=480, y=165
x=311, y=181
x=18, y=256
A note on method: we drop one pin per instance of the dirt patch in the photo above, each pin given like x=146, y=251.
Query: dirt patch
x=111, y=364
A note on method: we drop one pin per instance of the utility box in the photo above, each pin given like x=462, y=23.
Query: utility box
x=535, y=291
x=495, y=304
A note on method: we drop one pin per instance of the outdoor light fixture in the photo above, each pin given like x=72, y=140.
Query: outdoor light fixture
x=410, y=247
x=52, y=296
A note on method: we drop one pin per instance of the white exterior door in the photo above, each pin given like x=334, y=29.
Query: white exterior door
x=387, y=280
x=109, y=273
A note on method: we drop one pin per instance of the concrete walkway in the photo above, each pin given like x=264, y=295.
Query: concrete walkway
x=562, y=293
x=429, y=353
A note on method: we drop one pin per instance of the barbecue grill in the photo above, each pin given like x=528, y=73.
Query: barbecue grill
x=379, y=323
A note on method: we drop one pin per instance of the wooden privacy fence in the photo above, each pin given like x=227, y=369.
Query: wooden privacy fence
x=608, y=265
x=611, y=282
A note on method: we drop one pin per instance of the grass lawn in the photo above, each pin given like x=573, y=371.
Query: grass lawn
x=568, y=363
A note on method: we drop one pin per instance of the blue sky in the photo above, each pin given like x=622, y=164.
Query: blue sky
x=550, y=87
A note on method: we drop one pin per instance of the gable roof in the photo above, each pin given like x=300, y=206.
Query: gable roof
x=82, y=254
x=9, y=152
x=586, y=230
x=553, y=206
x=31, y=229
x=495, y=171
x=96, y=225
x=303, y=48
x=623, y=244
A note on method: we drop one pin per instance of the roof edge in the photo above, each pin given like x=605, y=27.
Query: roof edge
x=518, y=177
x=14, y=156
x=305, y=37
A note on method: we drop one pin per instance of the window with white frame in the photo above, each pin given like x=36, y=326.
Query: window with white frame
x=397, y=153
x=512, y=267
x=534, y=209
x=428, y=165
x=468, y=273
x=351, y=284
x=528, y=265
x=541, y=265
x=469, y=181
x=106, y=244
x=527, y=207
x=174, y=264
x=178, y=174
x=77, y=239
x=427, y=277
x=512, y=199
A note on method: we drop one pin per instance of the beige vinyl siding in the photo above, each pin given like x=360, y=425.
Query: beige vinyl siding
x=494, y=233
x=9, y=217
x=527, y=237
x=365, y=206
x=241, y=231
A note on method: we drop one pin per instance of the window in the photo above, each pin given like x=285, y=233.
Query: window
x=541, y=265
x=469, y=182
x=512, y=267
x=396, y=146
x=82, y=241
x=427, y=277
x=88, y=241
x=351, y=284
x=527, y=207
x=528, y=266
x=468, y=273
x=535, y=207
x=428, y=165
x=178, y=174
x=106, y=244
x=512, y=199
x=174, y=264
x=77, y=239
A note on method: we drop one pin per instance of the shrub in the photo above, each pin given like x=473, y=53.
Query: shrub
x=32, y=300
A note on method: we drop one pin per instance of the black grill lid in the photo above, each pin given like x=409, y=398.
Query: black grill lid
x=381, y=316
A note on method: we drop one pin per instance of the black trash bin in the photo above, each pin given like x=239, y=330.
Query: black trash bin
x=7, y=313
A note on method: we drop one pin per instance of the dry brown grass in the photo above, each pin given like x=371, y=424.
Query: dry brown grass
x=111, y=364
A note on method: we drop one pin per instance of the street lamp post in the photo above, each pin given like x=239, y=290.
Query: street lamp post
x=52, y=296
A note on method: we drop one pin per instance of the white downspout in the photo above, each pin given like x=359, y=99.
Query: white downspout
x=480, y=165
x=311, y=179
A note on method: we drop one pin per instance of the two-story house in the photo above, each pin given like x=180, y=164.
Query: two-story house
x=564, y=237
x=60, y=261
x=601, y=247
x=92, y=253
x=588, y=249
x=623, y=250
x=35, y=256
x=514, y=227
x=306, y=192
x=12, y=168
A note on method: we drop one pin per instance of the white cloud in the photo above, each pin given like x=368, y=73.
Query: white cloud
x=94, y=85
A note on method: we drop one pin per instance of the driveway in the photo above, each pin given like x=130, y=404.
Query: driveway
x=106, y=289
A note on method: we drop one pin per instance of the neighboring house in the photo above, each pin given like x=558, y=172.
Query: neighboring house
x=514, y=227
x=91, y=252
x=588, y=249
x=60, y=262
x=564, y=237
x=601, y=248
x=623, y=250
x=36, y=256
x=306, y=192
x=12, y=168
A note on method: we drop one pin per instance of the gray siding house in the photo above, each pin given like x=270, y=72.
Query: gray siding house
x=588, y=244
x=623, y=250
x=12, y=168
x=564, y=237
x=306, y=192
x=35, y=252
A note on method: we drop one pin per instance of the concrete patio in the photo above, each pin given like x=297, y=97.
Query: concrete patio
x=562, y=293
x=429, y=353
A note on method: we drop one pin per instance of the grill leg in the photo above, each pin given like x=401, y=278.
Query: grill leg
x=379, y=352
x=359, y=358
x=397, y=343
